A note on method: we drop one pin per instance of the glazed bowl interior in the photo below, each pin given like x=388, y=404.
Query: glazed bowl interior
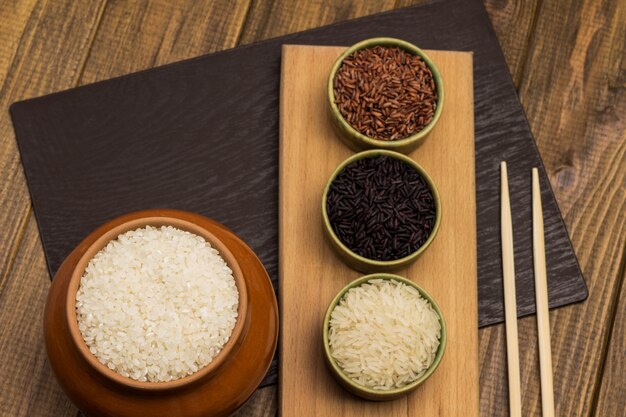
x=158, y=221
x=357, y=140
x=361, y=390
x=362, y=263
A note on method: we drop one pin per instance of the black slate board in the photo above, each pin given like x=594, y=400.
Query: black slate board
x=202, y=135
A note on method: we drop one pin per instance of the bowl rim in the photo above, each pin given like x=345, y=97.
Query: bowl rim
x=112, y=233
x=395, y=263
x=373, y=142
x=443, y=340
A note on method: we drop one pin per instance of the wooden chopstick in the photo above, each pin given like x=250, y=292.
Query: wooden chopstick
x=541, y=294
x=510, y=303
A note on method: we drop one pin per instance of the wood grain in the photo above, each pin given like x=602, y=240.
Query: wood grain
x=573, y=93
x=28, y=386
x=275, y=18
x=13, y=21
x=137, y=35
x=514, y=22
x=44, y=45
x=583, y=142
x=612, y=389
x=311, y=274
x=34, y=61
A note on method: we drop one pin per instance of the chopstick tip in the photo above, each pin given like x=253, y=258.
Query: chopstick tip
x=535, y=175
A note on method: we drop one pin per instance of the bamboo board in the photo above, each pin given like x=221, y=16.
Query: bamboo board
x=311, y=274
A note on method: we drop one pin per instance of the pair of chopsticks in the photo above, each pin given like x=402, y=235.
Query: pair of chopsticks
x=541, y=294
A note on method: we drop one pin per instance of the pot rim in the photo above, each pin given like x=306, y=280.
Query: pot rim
x=112, y=232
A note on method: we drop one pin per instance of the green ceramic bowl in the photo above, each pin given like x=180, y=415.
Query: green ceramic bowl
x=357, y=261
x=361, y=390
x=357, y=141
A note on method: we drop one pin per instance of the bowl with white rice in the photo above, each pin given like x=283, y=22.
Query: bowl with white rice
x=156, y=303
x=383, y=336
x=163, y=313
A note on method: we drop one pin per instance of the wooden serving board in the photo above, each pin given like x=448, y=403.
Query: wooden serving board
x=311, y=274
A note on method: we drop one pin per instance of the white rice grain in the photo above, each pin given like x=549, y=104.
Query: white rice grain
x=157, y=304
x=384, y=334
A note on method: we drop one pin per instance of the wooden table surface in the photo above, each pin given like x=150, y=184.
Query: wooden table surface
x=567, y=59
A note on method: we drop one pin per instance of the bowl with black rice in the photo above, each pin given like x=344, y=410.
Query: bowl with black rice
x=384, y=93
x=381, y=210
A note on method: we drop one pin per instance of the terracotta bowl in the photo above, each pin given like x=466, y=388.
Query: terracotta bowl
x=112, y=234
x=216, y=389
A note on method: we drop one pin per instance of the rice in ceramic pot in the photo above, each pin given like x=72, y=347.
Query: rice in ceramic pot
x=157, y=304
x=384, y=334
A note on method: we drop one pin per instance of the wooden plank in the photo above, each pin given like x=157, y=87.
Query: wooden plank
x=14, y=18
x=309, y=152
x=572, y=95
x=612, y=393
x=139, y=35
x=275, y=18
x=26, y=382
x=44, y=47
x=514, y=22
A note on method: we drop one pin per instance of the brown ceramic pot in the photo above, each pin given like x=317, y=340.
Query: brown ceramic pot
x=217, y=389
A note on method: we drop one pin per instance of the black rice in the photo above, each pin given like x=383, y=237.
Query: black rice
x=381, y=208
